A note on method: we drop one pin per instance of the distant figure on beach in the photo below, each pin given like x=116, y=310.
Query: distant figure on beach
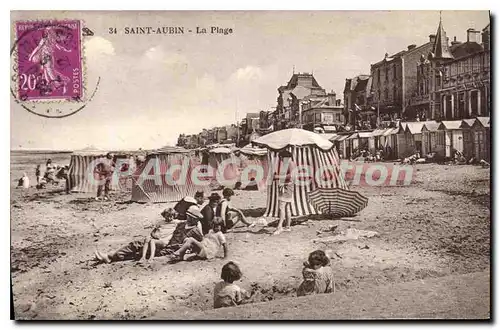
x=38, y=173
x=285, y=190
x=24, y=182
x=317, y=274
x=105, y=171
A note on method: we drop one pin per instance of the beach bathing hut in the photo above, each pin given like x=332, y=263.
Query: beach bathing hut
x=359, y=141
x=388, y=142
x=432, y=139
x=82, y=175
x=453, y=136
x=482, y=138
x=468, y=136
x=374, y=139
x=167, y=176
x=401, y=141
x=309, y=150
x=342, y=145
x=409, y=138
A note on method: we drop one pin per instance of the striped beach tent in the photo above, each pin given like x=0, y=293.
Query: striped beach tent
x=309, y=150
x=167, y=176
x=224, y=164
x=81, y=171
x=253, y=160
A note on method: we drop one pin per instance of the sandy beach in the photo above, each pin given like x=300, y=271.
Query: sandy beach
x=437, y=227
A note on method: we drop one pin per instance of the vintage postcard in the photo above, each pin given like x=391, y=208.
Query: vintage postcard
x=250, y=165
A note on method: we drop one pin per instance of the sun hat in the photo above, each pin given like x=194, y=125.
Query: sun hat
x=194, y=212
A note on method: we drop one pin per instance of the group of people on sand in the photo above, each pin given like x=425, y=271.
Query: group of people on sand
x=198, y=233
x=52, y=175
x=190, y=232
x=194, y=223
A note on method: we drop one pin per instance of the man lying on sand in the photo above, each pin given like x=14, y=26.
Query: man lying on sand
x=135, y=249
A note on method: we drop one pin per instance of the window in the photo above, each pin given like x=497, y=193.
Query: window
x=395, y=92
x=378, y=76
x=337, y=117
x=395, y=72
x=327, y=118
x=461, y=105
x=386, y=94
x=473, y=103
x=386, y=73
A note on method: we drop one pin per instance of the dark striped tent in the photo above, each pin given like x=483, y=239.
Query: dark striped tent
x=317, y=159
x=81, y=177
x=310, y=150
x=156, y=180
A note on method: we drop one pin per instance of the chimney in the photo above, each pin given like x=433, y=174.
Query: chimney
x=432, y=38
x=410, y=47
x=332, y=97
x=473, y=35
x=486, y=39
x=455, y=42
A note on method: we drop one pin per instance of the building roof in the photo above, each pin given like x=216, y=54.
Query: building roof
x=342, y=137
x=401, y=127
x=293, y=82
x=329, y=136
x=416, y=127
x=441, y=50
x=450, y=124
x=467, y=123
x=378, y=132
x=485, y=121
x=390, y=58
x=391, y=131
x=360, y=135
x=431, y=126
x=465, y=48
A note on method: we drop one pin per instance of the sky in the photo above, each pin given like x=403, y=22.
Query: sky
x=154, y=87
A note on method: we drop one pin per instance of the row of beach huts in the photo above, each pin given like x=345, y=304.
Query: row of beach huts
x=471, y=137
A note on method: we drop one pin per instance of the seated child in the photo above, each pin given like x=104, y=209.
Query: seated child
x=159, y=236
x=318, y=275
x=226, y=293
x=207, y=248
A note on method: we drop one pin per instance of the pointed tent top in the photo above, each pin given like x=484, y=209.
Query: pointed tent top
x=441, y=50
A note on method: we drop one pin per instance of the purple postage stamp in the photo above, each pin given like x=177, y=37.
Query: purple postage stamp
x=49, y=60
